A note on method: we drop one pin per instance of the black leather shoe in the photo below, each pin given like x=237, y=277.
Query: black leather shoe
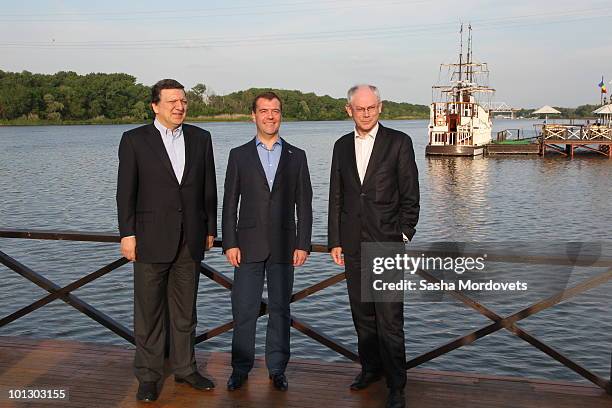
x=147, y=391
x=197, y=381
x=279, y=381
x=396, y=398
x=236, y=380
x=364, y=379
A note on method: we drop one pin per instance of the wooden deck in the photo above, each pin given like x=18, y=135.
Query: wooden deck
x=101, y=376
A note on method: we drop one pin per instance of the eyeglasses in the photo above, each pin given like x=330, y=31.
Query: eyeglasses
x=369, y=110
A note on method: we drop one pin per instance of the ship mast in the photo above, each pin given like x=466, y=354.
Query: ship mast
x=469, y=68
x=465, y=75
x=458, y=95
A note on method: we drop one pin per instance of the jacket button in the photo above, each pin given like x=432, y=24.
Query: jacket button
x=180, y=210
x=362, y=194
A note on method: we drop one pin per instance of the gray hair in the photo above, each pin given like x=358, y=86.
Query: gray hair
x=355, y=88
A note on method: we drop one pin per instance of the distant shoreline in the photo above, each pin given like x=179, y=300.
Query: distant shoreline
x=197, y=119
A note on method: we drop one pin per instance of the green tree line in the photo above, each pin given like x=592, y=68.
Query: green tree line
x=66, y=97
x=296, y=105
x=69, y=96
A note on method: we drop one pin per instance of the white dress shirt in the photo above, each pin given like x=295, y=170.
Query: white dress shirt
x=363, y=150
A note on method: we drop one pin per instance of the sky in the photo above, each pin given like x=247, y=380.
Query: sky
x=545, y=52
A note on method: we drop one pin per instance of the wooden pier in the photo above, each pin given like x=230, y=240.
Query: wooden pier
x=565, y=139
x=561, y=139
x=101, y=376
x=95, y=375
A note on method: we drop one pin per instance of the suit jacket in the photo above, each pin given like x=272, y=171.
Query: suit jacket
x=153, y=206
x=386, y=205
x=266, y=225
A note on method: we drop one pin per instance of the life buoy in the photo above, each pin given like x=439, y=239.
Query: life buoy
x=440, y=120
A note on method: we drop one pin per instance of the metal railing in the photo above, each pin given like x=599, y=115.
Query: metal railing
x=498, y=322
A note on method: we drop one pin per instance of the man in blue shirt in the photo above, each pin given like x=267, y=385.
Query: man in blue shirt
x=270, y=179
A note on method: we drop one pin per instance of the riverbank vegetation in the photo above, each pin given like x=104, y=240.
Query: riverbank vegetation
x=70, y=98
x=66, y=98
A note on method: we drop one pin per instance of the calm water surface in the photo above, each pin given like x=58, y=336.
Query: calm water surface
x=63, y=178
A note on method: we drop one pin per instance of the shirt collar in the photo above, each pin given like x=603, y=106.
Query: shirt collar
x=164, y=131
x=372, y=133
x=278, y=142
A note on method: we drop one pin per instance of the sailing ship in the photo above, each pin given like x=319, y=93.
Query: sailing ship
x=459, y=123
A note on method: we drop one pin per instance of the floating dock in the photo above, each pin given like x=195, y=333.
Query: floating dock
x=526, y=148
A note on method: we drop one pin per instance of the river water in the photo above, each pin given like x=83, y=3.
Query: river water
x=64, y=178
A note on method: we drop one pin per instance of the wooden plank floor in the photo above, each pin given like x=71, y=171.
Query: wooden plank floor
x=101, y=376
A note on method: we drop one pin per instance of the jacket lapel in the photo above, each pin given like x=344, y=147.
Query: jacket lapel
x=351, y=159
x=157, y=145
x=286, y=153
x=257, y=163
x=378, y=150
x=190, y=151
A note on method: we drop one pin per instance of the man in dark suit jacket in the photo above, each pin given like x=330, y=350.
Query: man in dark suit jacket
x=373, y=197
x=270, y=179
x=167, y=208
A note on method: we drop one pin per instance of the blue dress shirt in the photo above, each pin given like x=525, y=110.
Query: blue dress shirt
x=269, y=158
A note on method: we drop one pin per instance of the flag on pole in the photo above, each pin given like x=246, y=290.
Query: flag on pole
x=602, y=85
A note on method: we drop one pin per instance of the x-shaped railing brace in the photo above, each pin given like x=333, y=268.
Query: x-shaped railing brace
x=509, y=323
x=308, y=330
x=63, y=293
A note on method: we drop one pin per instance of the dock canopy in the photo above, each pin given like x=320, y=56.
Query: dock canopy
x=605, y=110
x=546, y=110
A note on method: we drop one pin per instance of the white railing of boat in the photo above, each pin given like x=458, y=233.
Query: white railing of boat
x=443, y=138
